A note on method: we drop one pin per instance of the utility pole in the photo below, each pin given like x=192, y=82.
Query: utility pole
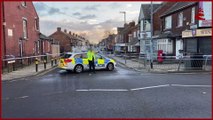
x=124, y=12
x=151, y=42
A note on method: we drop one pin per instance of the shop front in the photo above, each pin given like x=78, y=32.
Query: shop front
x=197, y=41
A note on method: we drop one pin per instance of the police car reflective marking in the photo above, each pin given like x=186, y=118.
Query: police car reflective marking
x=107, y=61
x=73, y=61
x=78, y=61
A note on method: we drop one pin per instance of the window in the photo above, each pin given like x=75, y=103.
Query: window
x=193, y=15
x=168, y=22
x=24, y=4
x=78, y=56
x=180, y=19
x=147, y=25
x=134, y=34
x=165, y=45
x=25, y=34
x=84, y=56
x=142, y=24
x=99, y=56
x=36, y=24
x=67, y=56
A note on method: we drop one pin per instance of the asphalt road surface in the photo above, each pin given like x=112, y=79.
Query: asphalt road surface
x=122, y=93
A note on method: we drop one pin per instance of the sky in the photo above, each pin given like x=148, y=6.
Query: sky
x=93, y=20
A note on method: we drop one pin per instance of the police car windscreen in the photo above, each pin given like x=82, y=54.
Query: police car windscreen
x=67, y=55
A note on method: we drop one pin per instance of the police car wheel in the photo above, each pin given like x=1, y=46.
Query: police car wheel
x=110, y=67
x=78, y=68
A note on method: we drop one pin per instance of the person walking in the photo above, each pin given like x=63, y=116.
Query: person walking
x=91, y=59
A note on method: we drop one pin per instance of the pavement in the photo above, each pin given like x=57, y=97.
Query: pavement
x=140, y=66
x=28, y=71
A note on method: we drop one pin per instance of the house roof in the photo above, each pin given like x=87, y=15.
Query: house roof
x=177, y=6
x=44, y=37
x=145, y=10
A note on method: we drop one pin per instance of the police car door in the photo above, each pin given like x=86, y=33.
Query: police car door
x=99, y=62
x=85, y=61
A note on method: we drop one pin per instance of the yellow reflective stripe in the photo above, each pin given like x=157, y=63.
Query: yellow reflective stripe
x=61, y=64
x=73, y=61
x=85, y=61
x=111, y=60
x=101, y=61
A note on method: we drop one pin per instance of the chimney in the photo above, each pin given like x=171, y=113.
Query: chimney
x=70, y=32
x=59, y=29
x=65, y=30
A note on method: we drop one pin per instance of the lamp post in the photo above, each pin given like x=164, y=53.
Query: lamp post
x=151, y=42
x=124, y=12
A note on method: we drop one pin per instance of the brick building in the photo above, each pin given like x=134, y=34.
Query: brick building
x=122, y=38
x=133, y=41
x=178, y=21
x=68, y=41
x=45, y=44
x=20, y=29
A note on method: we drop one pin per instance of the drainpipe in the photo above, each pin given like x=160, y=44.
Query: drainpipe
x=4, y=24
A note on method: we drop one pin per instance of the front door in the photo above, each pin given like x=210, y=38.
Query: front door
x=179, y=46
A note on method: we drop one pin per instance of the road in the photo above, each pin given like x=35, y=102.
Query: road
x=122, y=93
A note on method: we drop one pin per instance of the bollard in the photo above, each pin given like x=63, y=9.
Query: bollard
x=14, y=67
x=45, y=63
x=55, y=61
x=8, y=68
x=36, y=63
x=51, y=62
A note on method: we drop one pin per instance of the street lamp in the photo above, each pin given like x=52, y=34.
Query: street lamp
x=124, y=12
x=151, y=42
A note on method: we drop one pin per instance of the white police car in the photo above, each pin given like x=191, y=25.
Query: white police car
x=78, y=62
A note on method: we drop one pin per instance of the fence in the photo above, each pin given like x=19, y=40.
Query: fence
x=168, y=63
x=12, y=64
x=181, y=63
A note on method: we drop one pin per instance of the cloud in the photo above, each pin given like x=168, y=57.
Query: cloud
x=65, y=8
x=54, y=11
x=114, y=5
x=40, y=6
x=77, y=14
x=88, y=16
x=92, y=32
x=92, y=7
x=129, y=5
x=44, y=9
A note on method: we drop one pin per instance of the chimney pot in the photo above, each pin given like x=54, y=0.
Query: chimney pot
x=70, y=32
x=58, y=28
x=65, y=30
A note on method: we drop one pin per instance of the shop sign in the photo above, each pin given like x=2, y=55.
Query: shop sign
x=203, y=32
x=187, y=33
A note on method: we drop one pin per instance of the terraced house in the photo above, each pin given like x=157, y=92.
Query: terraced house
x=181, y=30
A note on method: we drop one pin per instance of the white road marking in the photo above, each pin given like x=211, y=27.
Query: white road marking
x=102, y=90
x=179, y=85
x=143, y=88
x=23, y=97
x=82, y=90
x=13, y=80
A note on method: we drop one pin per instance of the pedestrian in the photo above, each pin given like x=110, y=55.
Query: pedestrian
x=91, y=59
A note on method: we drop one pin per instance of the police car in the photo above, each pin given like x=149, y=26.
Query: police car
x=78, y=62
